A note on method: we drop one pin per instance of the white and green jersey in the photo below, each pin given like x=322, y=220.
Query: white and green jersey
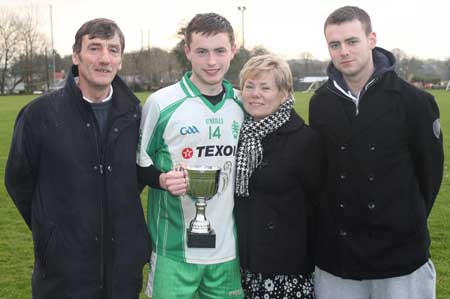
x=180, y=125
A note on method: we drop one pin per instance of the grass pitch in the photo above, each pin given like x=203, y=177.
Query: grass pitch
x=16, y=253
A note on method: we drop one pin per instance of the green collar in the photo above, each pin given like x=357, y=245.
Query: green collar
x=192, y=91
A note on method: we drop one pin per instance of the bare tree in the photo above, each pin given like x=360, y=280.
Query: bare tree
x=34, y=42
x=307, y=57
x=150, y=69
x=178, y=51
x=447, y=69
x=401, y=64
x=240, y=58
x=161, y=68
x=10, y=40
x=132, y=69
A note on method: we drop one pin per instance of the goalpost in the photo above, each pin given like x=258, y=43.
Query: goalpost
x=314, y=82
x=313, y=86
x=448, y=86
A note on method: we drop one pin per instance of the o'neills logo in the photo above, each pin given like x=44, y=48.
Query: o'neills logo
x=187, y=152
x=209, y=151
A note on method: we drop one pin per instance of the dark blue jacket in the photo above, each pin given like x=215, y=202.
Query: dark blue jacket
x=78, y=194
x=384, y=169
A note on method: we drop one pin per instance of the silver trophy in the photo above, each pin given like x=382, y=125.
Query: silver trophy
x=203, y=184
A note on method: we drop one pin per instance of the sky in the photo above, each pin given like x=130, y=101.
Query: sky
x=285, y=27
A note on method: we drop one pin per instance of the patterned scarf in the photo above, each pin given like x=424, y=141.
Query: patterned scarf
x=250, y=151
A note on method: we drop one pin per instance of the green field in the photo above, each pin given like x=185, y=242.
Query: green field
x=16, y=254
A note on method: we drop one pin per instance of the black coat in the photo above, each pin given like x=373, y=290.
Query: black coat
x=275, y=223
x=73, y=189
x=384, y=170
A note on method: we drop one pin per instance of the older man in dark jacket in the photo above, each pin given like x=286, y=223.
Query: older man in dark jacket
x=385, y=164
x=71, y=173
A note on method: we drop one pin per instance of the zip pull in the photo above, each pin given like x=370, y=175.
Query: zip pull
x=101, y=169
x=370, y=83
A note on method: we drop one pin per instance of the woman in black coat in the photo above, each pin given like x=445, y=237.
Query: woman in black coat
x=278, y=174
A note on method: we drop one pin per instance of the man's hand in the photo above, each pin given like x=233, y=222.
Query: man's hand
x=174, y=181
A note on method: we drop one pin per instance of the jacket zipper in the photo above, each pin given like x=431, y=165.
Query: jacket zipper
x=101, y=161
x=365, y=88
x=344, y=97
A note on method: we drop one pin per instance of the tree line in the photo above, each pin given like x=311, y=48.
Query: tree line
x=21, y=47
x=26, y=59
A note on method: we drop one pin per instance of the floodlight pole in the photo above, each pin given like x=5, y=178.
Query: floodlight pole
x=242, y=10
x=53, y=48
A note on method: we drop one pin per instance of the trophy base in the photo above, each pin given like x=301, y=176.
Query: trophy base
x=196, y=240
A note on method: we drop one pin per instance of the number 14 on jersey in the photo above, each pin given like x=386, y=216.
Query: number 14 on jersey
x=214, y=132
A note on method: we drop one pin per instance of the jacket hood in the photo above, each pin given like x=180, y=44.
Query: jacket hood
x=383, y=60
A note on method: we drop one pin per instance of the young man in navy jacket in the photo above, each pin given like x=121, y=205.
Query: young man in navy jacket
x=384, y=152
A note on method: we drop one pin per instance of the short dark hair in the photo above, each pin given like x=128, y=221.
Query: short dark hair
x=348, y=14
x=209, y=24
x=98, y=28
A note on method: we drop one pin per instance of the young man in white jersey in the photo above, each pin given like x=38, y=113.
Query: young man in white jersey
x=193, y=122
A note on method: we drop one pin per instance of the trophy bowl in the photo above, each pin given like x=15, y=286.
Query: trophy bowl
x=203, y=181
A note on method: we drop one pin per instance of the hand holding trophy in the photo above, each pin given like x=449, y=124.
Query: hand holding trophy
x=203, y=184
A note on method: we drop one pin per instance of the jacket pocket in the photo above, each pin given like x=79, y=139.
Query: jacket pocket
x=45, y=243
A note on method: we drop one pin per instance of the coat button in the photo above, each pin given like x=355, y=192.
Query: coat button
x=88, y=125
x=343, y=147
x=271, y=225
x=342, y=232
x=343, y=176
x=371, y=177
x=116, y=130
x=341, y=205
x=109, y=168
x=95, y=167
x=371, y=205
x=96, y=238
x=372, y=147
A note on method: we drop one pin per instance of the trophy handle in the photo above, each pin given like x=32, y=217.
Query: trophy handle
x=225, y=177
